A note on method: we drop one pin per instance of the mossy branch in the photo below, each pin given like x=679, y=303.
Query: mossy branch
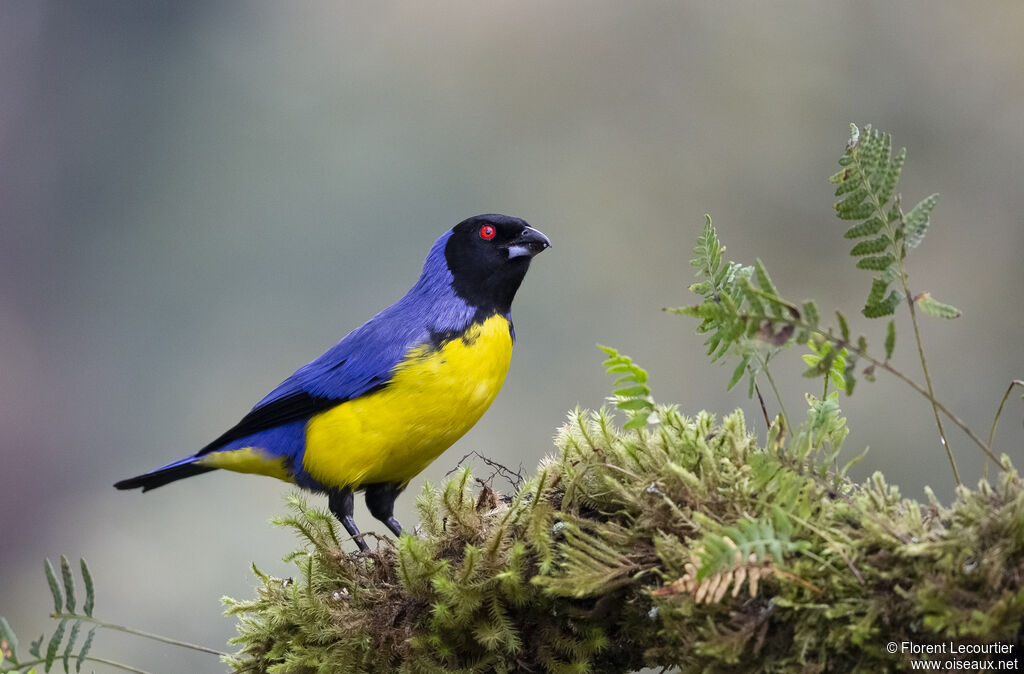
x=683, y=543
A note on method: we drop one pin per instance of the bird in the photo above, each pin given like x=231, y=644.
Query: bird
x=379, y=406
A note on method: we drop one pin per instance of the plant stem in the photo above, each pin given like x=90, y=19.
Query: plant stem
x=764, y=408
x=928, y=377
x=909, y=382
x=992, y=431
x=138, y=633
x=782, y=408
x=89, y=658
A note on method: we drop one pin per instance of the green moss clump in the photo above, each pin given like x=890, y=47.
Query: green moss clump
x=683, y=544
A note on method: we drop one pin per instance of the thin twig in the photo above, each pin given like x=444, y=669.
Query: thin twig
x=89, y=658
x=782, y=407
x=138, y=633
x=992, y=431
x=764, y=409
x=928, y=377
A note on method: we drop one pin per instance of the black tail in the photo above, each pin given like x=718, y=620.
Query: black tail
x=162, y=476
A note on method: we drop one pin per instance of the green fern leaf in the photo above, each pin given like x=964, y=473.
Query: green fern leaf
x=85, y=649
x=878, y=288
x=884, y=307
x=876, y=262
x=887, y=184
x=69, y=584
x=51, y=580
x=7, y=634
x=737, y=374
x=633, y=391
x=931, y=306
x=54, y=643
x=708, y=251
x=90, y=592
x=890, y=339
x=748, y=537
x=633, y=405
x=70, y=647
x=871, y=246
x=878, y=161
x=764, y=282
x=869, y=227
x=845, y=184
x=916, y=222
x=632, y=394
x=811, y=316
x=844, y=327
x=854, y=212
x=854, y=195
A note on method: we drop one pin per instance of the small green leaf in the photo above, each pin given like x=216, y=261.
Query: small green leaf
x=859, y=212
x=892, y=176
x=51, y=580
x=931, y=306
x=811, y=316
x=890, y=339
x=916, y=221
x=634, y=391
x=871, y=246
x=33, y=648
x=54, y=644
x=71, y=645
x=764, y=282
x=867, y=228
x=855, y=194
x=737, y=374
x=636, y=423
x=85, y=649
x=876, y=262
x=69, y=584
x=882, y=308
x=634, y=404
x=875, y=295
x=844, y=327
x=8, y=635
x=90, y=592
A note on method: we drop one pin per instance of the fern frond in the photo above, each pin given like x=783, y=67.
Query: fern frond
x=867, y=184
x=741, y=310
x=711, y=590
x=589, y=563
x=734, y=544
x=632, y=395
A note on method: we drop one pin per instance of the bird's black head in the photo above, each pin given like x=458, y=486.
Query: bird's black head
x=488, y=256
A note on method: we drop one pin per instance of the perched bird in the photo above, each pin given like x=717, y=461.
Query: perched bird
x=380, y=405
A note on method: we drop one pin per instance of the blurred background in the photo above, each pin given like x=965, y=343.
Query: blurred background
x=197, y=198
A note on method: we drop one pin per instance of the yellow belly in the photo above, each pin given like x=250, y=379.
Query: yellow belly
x=435, y=396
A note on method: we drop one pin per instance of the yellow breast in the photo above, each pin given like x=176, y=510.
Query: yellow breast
x=434, y=397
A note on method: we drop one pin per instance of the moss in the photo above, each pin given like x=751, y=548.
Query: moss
x=685, y=544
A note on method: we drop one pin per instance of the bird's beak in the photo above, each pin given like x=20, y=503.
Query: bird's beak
x=528, y=243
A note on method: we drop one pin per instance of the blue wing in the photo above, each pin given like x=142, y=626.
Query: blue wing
x=360, y=363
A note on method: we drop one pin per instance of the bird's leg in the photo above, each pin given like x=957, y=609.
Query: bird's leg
x=380, y=499
x=342, y=503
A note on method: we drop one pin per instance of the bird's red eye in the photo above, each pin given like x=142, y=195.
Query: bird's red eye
x=487, y=232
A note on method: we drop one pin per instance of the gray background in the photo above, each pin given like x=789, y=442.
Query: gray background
x=196, y=198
